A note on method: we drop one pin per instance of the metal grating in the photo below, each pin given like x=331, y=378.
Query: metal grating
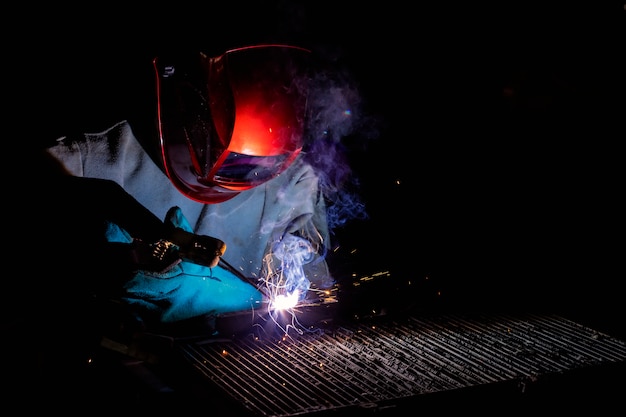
x=371, y=363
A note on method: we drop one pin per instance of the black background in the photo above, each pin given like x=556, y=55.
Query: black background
x=503, y=126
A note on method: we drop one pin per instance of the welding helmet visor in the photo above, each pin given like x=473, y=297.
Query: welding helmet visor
x=231, y=122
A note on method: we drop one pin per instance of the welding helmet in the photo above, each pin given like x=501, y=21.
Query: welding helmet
x=231, y=122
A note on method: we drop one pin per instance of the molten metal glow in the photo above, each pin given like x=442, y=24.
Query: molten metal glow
x=285, y=301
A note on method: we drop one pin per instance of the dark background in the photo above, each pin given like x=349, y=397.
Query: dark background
x=489, y=157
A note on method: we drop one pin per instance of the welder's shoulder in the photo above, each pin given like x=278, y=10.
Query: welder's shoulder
x=113, y=140
x=91, y=154
x=47, y=163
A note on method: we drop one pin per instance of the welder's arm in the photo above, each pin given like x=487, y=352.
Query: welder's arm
x=65, y=238
x=155, y=244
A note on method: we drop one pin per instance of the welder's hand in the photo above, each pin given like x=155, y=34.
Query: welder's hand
x=185, y=289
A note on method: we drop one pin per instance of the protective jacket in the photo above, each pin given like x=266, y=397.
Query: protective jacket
x=250, y=223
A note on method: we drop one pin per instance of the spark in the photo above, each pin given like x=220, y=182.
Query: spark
x=286, y=283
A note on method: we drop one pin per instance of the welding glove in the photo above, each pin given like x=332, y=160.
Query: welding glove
x=184, y=290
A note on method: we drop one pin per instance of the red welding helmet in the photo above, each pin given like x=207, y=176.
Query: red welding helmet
x=231, y=122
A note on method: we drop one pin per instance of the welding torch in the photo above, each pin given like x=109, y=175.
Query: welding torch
x=179, y=245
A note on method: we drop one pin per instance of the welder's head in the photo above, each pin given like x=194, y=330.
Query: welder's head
x=231, y=122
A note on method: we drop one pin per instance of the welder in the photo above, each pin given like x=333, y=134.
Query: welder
x=229, y=167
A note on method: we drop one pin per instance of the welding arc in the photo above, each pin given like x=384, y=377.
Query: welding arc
x=241, y=276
